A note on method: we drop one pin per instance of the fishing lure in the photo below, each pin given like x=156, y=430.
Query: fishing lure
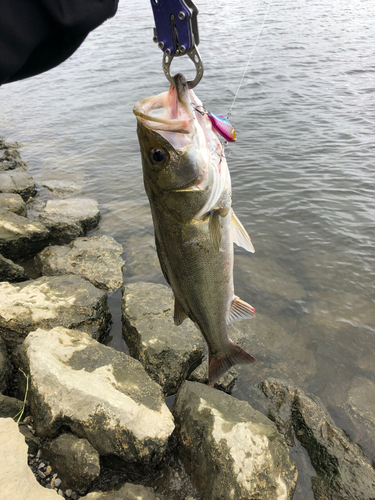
x=220, y=124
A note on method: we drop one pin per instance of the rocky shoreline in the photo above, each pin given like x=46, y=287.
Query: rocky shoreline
x=79, y=419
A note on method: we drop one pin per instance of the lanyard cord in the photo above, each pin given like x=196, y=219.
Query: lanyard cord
x=248, y=61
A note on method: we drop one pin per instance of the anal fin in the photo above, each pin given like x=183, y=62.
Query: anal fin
x=218, y=366
x=239, y=234
x=239, y=310
x=179, y=313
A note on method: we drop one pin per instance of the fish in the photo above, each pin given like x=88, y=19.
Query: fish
x=187, y=181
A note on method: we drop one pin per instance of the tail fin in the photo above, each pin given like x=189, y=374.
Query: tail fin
x=218, y=366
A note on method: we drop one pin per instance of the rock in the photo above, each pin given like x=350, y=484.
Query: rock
x=231, y=450
x=142, y=262
x=13, y=202
x=46, y=302
x=127, y=492
x=101, y=394
x=10, y=159
x=343, y=471
x=5, y=368
x=96, y=259
x=9, y=407
x=20, y=237
x=17, y=181
x=9, y=271
x=62, y=188
x=16, y=479
x=75, y=461
x=225, y=383
x=166, y=351
x=70, y=218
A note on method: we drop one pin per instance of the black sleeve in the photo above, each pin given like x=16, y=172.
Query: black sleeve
x=37, y=35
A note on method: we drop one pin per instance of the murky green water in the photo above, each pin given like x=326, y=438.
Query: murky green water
x=302, y=172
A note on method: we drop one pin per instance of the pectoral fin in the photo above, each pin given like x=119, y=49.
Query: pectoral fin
x=239, y=234
x=214, y=226
x=179, y=313
x=240, y=310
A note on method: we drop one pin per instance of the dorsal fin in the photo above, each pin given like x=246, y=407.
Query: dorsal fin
x=239, y=234
x=179, y=313
x=240, y=310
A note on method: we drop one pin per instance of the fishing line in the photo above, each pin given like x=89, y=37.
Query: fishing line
x=248, y=61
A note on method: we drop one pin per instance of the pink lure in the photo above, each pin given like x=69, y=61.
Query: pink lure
x=223, y=127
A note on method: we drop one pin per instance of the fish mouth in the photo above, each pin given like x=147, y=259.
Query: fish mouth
x=170, y=111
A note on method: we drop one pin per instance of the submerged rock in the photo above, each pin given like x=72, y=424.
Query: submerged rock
x=20, y=237
x=17, y=482
x=127, y=492
x=101, y=394
x=231, y=450
x=70, y=218
x=166, y=351
x=359, y=408
x=46, y=302
x=13, y=202
x=5, y=368
x=17, y=181
x=343, y=471
x=141, y=258
x=96, y=259
x=74, y=460
x=9, y=271
x=62, y=188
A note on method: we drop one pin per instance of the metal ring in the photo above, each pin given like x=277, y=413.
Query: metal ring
x=195, y=57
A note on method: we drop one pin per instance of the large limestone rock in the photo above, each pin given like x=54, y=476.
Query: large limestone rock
x=96, y=259
x=20, y=237
x=70, y=218
x=17, y=181
x=127, y=492
x=101, y=394
x=17, y=481
x=231, y=450
x=165, y=350
x=5, y=367
x=9, y=271
x=46, y=302
x=13, y=202
x=342, y=469
x=74, y=460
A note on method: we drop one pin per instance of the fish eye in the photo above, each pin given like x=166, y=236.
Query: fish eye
x=158, y=156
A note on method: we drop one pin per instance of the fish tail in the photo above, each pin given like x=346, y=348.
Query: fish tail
x=235, y=356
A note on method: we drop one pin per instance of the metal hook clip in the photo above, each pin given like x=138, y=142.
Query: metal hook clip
x=194, y=56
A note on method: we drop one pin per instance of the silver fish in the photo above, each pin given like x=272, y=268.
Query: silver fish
x=187, y=181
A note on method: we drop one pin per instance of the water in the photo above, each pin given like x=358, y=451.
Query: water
x=302, y=172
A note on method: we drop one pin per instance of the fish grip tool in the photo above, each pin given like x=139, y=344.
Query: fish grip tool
x=176, y=33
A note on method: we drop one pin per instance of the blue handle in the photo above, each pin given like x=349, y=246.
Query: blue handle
x=176, y=25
